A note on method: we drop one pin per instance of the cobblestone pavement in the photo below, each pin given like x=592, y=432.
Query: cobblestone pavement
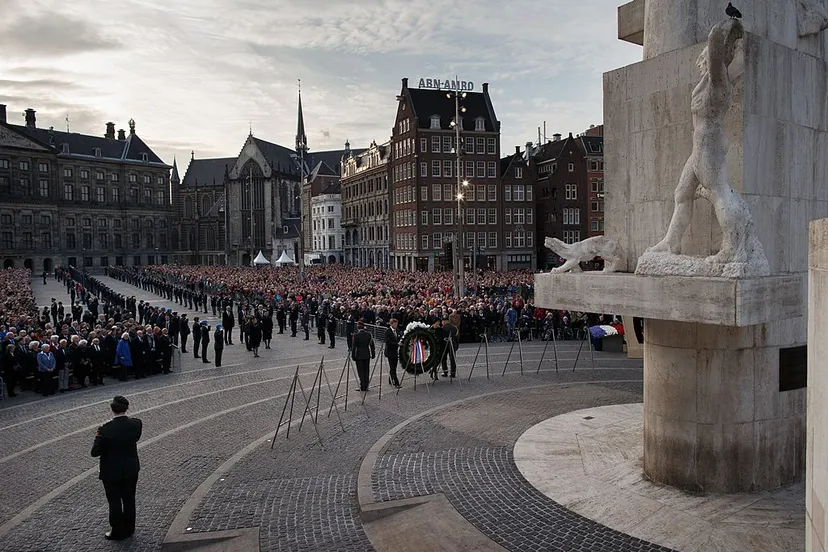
x=199, y=417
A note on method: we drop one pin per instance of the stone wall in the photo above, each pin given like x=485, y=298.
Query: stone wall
x=816, y=478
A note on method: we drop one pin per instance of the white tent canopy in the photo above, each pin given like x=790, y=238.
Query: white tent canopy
x=261, y=260
x=285, y=259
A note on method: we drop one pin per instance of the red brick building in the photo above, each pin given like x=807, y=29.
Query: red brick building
x=423, y=190
x=570, y=181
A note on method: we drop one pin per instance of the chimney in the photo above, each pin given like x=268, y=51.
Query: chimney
x=517, y=150
x=556, y=137
x=486, y=88
x=121, y=134
x=405, y=83
x=570, y=136
x=110, y=131
x=2, y=113
x=31, y=120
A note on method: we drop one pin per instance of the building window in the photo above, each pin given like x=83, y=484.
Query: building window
x=160, y=181
x=435, y=144
x=4, y=163
x=84, y=193
x=491, y=169
x=447, y=144
x=491, y=146
x=481, y=216
x=84, y=174
x=100, y=195
x=44, y=188
x=480, y=124
x=8, y=241
x=507, y=193
x=24, y=185
x=102, y=223
x=148, y=196
x=43, y=167
x=518, y=172
x=100, y=176
x=113, y=177
x=469, y=194
x=5, y=219
x=448, y=216
x=103, y=241
x=597, y=206
x=492, y=240
x=435, y=168
x=594, y=224
x=597, y=185
x=571, y=167
x=424, y=218
x=593, y=165
x=519, y=194
x=481, y=146
x=470, y=169
x=436, y=216
x=481, y=169
x=117, y=241
x=423, y=168
x=469, y=216
x=435, y=122
x=147, y=179
x=508, y=240
x=28, y=241
x=437, y=190
x=424, y=241
x=133, y=177
x=24, y=165
x=470, y=240
x=447, y=169
x=492, y=216
x=423, y=193
x=115, y=195
x=159, y=197
x=26, y=220
x=572, y=191
x=448, y=192
x=507, y=216
x=529, y=194
x=68, y=192
x=144, y=157
x=67, y=172
x=518, y=216
x=423, y=145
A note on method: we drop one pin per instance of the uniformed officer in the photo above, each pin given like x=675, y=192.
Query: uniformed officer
x=116, y=443
x=205, y=340
x=218, y=344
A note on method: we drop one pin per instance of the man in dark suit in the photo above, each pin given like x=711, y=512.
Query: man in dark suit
x=392, y=347
x=331, y=325
x=362, y=352
x=196, y=336
x=218, y=344
x=116, y=443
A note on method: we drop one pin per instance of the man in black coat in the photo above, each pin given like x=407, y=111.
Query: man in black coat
x=218, y=343
x=184, y=330
x=331, y=326
x=393, y=335
x=227, y=322
x=362, y=352
x=205, y=340
x=196, y=336
x=116, y=443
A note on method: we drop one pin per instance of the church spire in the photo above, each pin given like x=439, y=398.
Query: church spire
x=175, y=179
x=301, y=139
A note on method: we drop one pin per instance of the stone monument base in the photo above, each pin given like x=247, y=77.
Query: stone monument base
x=654, y=263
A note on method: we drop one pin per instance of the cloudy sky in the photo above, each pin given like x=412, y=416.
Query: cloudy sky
x=194, y=74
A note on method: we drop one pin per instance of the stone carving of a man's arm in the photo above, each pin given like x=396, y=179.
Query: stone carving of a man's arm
x=721, y=44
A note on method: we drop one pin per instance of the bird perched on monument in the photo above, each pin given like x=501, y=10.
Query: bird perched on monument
x=732, y=12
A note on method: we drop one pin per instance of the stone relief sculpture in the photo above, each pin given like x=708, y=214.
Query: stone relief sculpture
x=705, y=176
x=586, y=250
x=812, y=17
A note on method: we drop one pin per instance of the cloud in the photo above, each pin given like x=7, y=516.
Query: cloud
x=52, y=35
x=195, y=73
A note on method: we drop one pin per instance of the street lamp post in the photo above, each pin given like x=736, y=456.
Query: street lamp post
x=459, y=276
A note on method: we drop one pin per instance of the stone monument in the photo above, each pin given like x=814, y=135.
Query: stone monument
x=734, y=113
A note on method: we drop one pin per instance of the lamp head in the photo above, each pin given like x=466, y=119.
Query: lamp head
x=465, y=183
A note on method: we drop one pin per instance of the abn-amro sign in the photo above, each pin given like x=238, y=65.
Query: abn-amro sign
x=447, y=84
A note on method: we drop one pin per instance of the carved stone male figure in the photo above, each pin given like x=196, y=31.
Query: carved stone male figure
x=705, y=172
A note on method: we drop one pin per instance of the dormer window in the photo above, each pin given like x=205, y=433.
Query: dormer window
x=144, y=157
x=97, y=152
x=284, y=229
x=435, y=122
x=480, y=124
x=65, y=148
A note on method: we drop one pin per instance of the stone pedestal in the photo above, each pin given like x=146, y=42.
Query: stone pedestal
x=714, y=417
x=816, y=480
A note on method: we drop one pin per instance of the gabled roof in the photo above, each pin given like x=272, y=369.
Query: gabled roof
x=84, y=145
x=332, y=158
x=281, y=159
x=333, y=188
x=427, y=103
x=593, y=145
x=516, y=159
x=207, y=172
x=550, y=150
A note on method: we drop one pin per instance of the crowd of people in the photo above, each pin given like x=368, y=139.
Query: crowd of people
x=103, y=333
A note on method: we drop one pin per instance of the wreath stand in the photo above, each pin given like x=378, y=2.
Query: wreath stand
x=402, y=379
x=449, y=348
x=486, y=341
x=520, y=350
x=543, y=354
